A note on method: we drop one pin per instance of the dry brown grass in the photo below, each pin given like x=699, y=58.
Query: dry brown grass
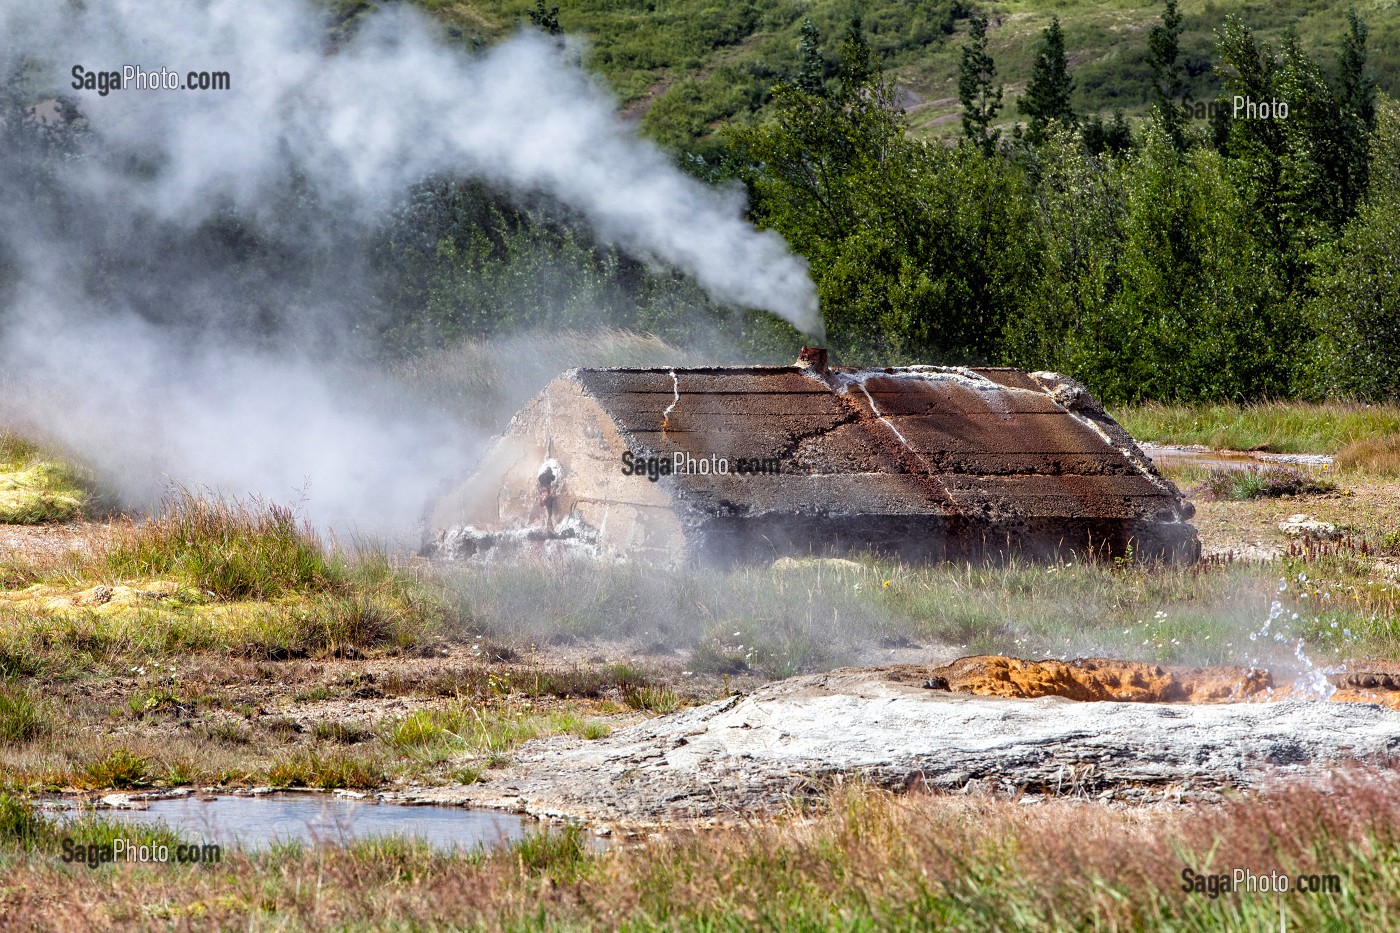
x=1376, y=456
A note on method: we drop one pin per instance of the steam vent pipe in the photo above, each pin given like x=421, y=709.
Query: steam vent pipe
x=718, y=466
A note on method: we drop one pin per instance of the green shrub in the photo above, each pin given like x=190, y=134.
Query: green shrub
x=119, y=769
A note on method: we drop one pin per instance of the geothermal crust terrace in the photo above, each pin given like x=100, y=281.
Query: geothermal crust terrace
x=794, y=738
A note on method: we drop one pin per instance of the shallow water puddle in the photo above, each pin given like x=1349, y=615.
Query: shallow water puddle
x=1176, y=455
x=255, y=823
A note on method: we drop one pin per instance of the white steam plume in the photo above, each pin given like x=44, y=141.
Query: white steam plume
x=391, y=108
x=148, y=402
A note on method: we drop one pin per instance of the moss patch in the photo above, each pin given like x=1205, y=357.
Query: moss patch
x=36, y=489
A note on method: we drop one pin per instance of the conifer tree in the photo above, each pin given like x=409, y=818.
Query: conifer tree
x=1047, y=97
x=546, y=19
x=980, y=96
x=1163, y=48
x=811, y=78
x=1356, y=93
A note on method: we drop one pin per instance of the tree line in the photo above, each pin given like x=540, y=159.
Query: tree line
x=1230, y=257
x=1186, y=256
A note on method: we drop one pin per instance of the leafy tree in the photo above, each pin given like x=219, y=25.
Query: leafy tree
x=1079, y=216
x=918, y=252
x=1292, y=171
x=1163, y=47
x=1047, y=97
x=1148, y=285
x=1257, y=148
x=980, y=96
x=1356, y=88
x=1316, y=177
x=1356, y=308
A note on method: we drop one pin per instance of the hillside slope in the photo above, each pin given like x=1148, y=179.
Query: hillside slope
x=685, y=67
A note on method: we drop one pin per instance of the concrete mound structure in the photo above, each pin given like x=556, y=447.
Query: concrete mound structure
x=728, y=465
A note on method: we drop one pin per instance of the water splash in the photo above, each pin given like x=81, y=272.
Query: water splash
x=1311, y=683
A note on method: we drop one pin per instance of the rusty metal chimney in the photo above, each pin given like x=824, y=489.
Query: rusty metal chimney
x=813, y=358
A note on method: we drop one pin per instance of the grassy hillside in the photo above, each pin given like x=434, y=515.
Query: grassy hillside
x=683, y=67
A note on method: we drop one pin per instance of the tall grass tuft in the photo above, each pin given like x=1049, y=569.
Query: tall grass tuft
x=328, y=771
x=119, y=769
x=22, y=718
x=562, y=853
x=1267, y=483
x=19, y=824
x=235, y=550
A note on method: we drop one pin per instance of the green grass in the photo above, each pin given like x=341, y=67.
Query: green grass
x=120, y=769
x=232, y=550
x=490, y=730
x=1279, y=427
x=210, y=575
x=328, y=770
x=1265, y=483
x=23, y=830
x=36, y=487
x=653, y=699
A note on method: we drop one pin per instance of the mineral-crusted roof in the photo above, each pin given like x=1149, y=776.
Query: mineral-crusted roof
x=977, y=442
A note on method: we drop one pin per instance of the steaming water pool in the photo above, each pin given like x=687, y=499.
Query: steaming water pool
x=254, y=823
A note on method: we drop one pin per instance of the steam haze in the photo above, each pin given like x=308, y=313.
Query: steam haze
x=146, y=370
